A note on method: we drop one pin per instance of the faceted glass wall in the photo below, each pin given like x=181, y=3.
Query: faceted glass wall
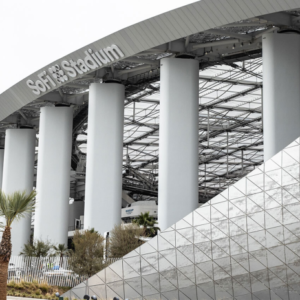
x=243, y=244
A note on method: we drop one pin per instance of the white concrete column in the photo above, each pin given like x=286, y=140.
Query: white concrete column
x=1, y=166
x=1, y=176
x=281, y=91
x=178, y=140
x=53, y=174
x=103, y=189
x=18, y=168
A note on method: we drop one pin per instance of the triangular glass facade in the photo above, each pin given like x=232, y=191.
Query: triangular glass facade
x=243, y=244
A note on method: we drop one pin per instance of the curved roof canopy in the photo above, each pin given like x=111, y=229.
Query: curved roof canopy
x=224, y=35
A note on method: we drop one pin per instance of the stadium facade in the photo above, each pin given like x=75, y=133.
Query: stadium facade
x=193, y=97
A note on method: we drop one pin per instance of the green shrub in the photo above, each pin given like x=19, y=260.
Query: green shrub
x=12, y=284
x=38, y=292
x=44, y=287
x=28, y=285
x=20, y=285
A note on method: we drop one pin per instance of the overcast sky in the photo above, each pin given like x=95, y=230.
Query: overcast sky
x=34, y=33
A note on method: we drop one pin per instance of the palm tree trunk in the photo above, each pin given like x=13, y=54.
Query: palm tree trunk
x=3, y=279
x=5, y=253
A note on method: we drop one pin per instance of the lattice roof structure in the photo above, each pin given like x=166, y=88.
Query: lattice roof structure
x=230, y=106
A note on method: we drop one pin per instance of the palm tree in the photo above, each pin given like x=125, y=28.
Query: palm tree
x=60, y=251
x=12, y=207
x=39, y=248
x=148, y=222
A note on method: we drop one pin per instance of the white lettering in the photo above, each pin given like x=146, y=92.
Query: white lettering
x=95, y=57
x=73, y=68
x=70, y=71
x=82, y=65
x=46, y=80
x=32, y=86
x=113, y=51
x=39, y=84
x=89, y=61
x=74, y=65
x=103, y=58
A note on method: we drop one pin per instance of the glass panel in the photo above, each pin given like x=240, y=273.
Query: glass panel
x=152, y=259
x=270, y=202
x=189, y=272
x=184, y=281
x=182, y=260
x=190, y=292
x=129, y=272
x=291, y=233
x=117, y=287
x=182, y=224
x=218, y=252
x=273, y=217
x=205, y=230
x=254, y=184
x=252, y=206
x=163, y=244
x=153, y=279
x=144, y=249
x=166, y=285
x=181, y=240
x=294, y=209
x=132, y=290
x=94, y=280
x=270, y=183
x=199, y=220
x=237, y=269
x=216, y=215
x=256, y=221
x=224, y=244
x=170, y=256
x=111, y=276
x=99, y=291
x=187, y=233
x=201, y=277
x=237, y=207
x=188, y=252
x=271, y=240
x=148, y=289
x=164, y=265
x=134, y=263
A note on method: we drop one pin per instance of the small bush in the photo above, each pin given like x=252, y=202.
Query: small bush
x=34, y=290
x=28, y=285
x=38, y=292
x=20, y=285
x=12, y=284
x=124, y=239
x=44, y=287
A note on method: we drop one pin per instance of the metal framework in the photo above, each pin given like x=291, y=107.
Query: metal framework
x=230, y=107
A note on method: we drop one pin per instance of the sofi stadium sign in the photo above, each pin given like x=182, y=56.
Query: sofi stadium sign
x=58, y=74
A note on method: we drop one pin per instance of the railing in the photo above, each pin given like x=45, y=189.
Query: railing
x=73, y=228
x=52, y=270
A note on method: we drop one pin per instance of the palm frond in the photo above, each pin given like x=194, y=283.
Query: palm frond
x=16, y=205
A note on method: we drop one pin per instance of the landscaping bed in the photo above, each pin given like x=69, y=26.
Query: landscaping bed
x=34, y=290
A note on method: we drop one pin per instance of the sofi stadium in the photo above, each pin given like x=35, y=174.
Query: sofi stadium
x=195, y=111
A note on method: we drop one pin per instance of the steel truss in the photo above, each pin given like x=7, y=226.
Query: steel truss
x=230, y=108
